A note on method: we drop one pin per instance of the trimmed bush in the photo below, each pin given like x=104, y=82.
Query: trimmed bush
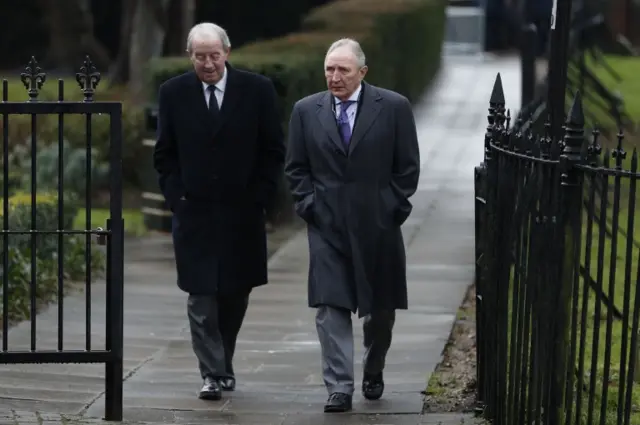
x=401, y=38
x=20, y=248
x=19, y=126
x=74, y=160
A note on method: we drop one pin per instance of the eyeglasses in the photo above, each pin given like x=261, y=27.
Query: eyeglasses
x=205, y=57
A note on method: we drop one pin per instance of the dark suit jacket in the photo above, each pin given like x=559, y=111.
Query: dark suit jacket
x=218, y=178
x=355, y=199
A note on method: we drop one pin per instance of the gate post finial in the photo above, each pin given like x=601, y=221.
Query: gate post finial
x=497, y=99
x=497, y=94
x=619, y=153
x=33, y=78
x=574, y=133
x=88, y=79
x=594, y=149
x=496, y=108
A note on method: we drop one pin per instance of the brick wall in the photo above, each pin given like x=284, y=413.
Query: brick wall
x=623, y=18
x=616, y=16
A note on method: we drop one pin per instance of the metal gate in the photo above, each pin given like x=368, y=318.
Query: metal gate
x=40, y=244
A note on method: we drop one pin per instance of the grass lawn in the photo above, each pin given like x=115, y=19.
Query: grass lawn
x=621, y=288
x=628, y=68
x=598, y=355
x=133, y=220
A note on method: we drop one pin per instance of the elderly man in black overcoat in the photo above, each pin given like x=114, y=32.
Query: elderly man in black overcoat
x=219, y=156
x=352, y=164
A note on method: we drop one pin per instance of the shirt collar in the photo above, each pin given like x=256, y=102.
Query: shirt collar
x=220, y=85
x=354, y=96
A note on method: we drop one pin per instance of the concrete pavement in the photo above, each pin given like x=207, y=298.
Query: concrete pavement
x=278, y=356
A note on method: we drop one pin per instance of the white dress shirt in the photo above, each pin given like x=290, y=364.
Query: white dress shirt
x=219, y=90
x=353, y=108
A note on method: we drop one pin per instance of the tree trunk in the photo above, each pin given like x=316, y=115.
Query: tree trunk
x=119, y=72
x=89, y=42
x=188, y=20
x=178, y=28
x=147, y=39
x=71, y=35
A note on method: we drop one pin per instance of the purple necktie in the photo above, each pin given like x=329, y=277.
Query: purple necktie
x=343, y=122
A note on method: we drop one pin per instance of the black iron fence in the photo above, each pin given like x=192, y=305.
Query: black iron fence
x=558, y=309
x=38, y=234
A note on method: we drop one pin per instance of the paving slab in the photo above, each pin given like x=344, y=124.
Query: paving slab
x=278, y=355
x=214, y=418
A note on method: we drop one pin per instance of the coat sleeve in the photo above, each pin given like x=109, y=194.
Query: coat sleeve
x=297, y=168
x=271, y=147
x=406, y=159
x=165, y=154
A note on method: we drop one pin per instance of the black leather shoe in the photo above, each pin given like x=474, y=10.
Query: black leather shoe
x=228, y=384
x=210, y=390
x=337, y=403
x=372, y=386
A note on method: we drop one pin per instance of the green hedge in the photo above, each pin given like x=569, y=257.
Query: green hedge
x=19, y=254
x=401, y=38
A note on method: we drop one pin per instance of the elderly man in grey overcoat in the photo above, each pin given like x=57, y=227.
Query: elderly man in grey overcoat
x=352, y=164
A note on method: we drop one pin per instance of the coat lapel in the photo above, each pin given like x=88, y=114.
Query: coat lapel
x=328, y=121
x=232, y=93
x=200, y=102
x=368, y=111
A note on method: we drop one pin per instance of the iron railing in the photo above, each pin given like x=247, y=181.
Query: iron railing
x=34, y=238
x=557, y=302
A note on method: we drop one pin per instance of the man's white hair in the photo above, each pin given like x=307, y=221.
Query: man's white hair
x=354, y=46
x=207, y=29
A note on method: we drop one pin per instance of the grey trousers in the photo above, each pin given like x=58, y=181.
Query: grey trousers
x=215, y=323
x=335, y=332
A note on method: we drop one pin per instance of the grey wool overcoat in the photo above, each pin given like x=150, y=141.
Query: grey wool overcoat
x=354, y=199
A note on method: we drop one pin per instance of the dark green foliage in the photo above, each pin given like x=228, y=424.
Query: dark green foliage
x=401, y=38
x=20, y=248
x=74, y=162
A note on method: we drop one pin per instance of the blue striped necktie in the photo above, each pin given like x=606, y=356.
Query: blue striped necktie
x=343, y=121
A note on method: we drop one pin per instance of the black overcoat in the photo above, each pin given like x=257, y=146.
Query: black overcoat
x=218, y=177
x=355, y=199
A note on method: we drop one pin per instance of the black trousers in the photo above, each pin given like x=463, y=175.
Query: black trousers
x=215, y=322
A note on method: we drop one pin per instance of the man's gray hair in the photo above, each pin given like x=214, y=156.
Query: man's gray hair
x=208, y=29
x=355, y=49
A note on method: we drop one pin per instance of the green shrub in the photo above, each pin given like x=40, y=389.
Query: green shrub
x=74, y=127
x=74, y=160
x=46, y=253
x=401, y=38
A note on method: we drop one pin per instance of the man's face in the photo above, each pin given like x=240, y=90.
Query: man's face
x=208, y=57
x=343, y=73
